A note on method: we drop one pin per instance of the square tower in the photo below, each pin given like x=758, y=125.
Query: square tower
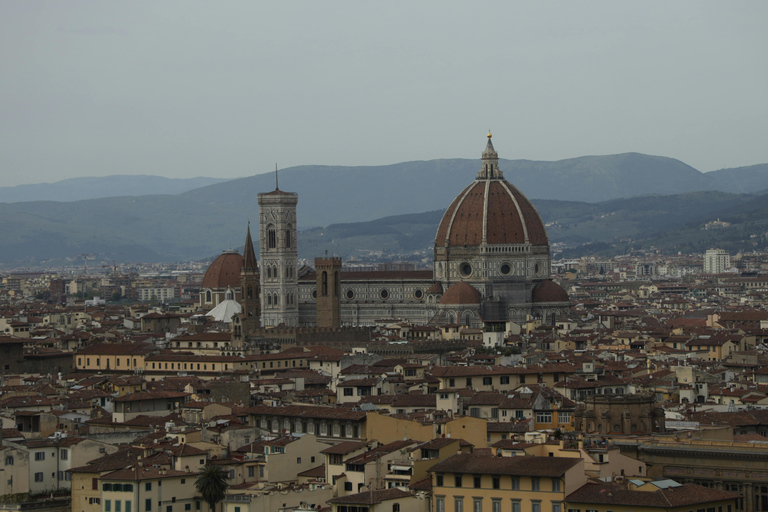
x=328, y=291
x=279, y=258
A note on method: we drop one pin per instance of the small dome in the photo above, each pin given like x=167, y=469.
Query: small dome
x=549, y=291
x=225, y=311
x=224, y=272
x=436, y=288
x=461, y=293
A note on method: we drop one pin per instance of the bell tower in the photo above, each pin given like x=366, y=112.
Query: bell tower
x=328, y=286
x=250, y=288
x=279, y=258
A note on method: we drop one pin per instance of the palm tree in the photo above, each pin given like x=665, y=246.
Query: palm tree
x=212, y=483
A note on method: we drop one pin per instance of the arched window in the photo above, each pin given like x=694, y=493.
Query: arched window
x=271, y=237
x=336, y=284
x=250, y=293
x=269, y=300
x=230, y=295
x=208, y=296
x=324, y=283
x=288, y=237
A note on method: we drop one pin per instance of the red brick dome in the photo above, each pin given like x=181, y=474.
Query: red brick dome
x=549, y=291
x=490, y=211
x=224, y=271
x=461, y=293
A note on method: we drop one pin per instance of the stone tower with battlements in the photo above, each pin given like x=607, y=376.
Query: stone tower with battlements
x=279, y=258
x=328, y=292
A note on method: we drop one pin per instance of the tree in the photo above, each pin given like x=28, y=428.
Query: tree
x=212, y=483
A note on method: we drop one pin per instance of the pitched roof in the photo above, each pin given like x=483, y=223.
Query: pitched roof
x=516, y=466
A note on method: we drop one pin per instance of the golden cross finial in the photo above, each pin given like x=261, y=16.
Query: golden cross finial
x=489, y=134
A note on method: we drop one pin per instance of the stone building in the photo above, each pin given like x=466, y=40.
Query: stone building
x=491, y=266
x=620, y=414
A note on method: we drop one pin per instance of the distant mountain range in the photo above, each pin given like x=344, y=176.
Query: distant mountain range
x=77, y=189
x=588, y=200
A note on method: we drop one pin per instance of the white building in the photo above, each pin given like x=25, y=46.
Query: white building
x=716, y=261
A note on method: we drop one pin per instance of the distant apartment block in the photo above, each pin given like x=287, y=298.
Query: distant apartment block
x=162, y=294
x=716, y=261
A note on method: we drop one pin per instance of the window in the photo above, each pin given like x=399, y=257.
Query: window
x=469, y=382
x=347, y=486
x=457, y=481
x=118, y=506
x=298, y=460
x=519, y=415
x=555, y=485
x=477, y=481
x=458, y=504
x=95, y=484
x=557, y=507
x=535, y=506
x=439, y=480
x=39, y=477
x=9, y=460
x=495, y=504
x=148, y=486
x=496, y=482
x=535, y=483
x=451, y=382
x=127, y=506
x=348, y=391
x=107, y=505
x=39, y=455
x=187, y=506
x=64, y=454
x=504, y=379
x=544, y=416
x=564, y=417
x=515, y=505
x=515, y=483
x=169, y=508
x=148, y=505
x=440, y=504
x=487, y=381
x=251, y=471
x=396, y=507
x=477, y=504
x=231, y=474
x=474, y=412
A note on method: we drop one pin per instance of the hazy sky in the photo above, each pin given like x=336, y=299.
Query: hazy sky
x=227, y=89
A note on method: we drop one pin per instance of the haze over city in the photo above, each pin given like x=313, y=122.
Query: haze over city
x=229, y=89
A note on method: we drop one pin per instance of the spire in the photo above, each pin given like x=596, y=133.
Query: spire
x=249, y=255
x=490, y=167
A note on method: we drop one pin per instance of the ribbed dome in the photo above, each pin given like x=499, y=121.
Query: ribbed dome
x=549, y=291
x=224, y=271
x=461, y=293
x=491, y=211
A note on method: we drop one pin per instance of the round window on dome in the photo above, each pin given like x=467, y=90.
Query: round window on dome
x=465, y=269
x=384, y=294
x=505, y=269
x=349, y=294
x=418, y=294
x=314, y=294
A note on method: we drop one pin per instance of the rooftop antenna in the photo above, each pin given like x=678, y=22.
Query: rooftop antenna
x=276, y=187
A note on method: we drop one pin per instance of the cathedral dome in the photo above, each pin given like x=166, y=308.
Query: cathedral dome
x=224, y=272
x=549, y=291
x=490, y=211
x=461, y=293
